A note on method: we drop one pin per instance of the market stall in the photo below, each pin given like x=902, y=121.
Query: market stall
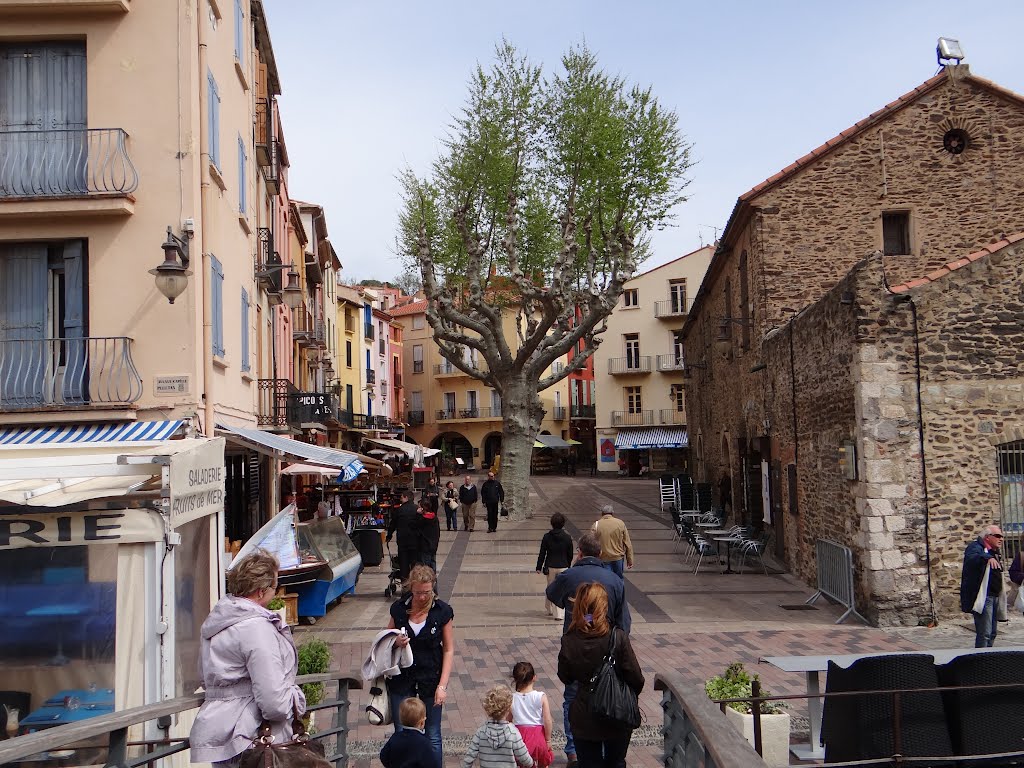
x=109, y=563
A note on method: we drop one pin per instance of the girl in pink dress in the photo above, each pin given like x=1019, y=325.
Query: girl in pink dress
x=531, y=714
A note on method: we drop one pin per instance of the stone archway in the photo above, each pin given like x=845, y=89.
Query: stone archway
x=490, y=448
x=453, y=445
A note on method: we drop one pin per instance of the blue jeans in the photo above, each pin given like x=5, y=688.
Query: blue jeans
x=618, y=567
x=567, y=700
x=433, y=727
x=985, y=624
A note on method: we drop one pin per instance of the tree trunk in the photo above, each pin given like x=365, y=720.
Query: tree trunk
x=523, y=414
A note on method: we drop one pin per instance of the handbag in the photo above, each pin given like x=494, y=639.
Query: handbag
x=504, y=511
x=300, y=752
x=610, y=695
x=378, y=711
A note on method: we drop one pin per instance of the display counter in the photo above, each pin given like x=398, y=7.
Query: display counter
x=327, y=540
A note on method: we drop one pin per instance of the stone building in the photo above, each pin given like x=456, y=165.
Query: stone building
x=804, y=397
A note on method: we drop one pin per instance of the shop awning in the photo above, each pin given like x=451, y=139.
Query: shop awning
x=409, y=449
x=70, y=434
x=652, y=437
x=549, y=441
x=265, y=442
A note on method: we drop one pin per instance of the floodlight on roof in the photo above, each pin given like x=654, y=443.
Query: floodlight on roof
x=948, y=50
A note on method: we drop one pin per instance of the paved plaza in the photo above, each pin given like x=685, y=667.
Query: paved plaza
x=693, y=624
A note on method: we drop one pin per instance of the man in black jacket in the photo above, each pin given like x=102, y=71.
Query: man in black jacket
x=467, y=498
x=405, y=522
x=492, y=494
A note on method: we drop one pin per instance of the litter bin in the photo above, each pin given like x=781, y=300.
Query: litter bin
x=367, y=541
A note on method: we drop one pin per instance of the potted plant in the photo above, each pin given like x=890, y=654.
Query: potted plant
x=277, y=606
x=314, y=658
x=736, y=683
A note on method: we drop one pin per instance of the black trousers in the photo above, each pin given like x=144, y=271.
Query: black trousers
x=492, y=515
x=610, y=753
x=407, y=558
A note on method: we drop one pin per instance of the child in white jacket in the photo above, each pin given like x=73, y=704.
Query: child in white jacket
x=497, y=742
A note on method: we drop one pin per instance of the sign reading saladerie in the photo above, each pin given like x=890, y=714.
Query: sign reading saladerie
x=197, y=483
x=76, y=528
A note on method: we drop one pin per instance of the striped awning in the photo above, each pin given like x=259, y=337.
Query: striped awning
x=652, y=437
x=70, y=434
x=328, y=457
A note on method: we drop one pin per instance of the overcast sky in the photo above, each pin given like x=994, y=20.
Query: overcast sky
x=369, y=87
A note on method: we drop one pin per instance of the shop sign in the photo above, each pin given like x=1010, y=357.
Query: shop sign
x=122, y=526
x=197, y=482
x=607, y=449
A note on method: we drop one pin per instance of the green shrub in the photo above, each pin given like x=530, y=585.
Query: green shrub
x=314, y=658
x=276, y=604
x=736, y=684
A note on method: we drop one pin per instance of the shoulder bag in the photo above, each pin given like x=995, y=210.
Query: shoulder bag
x=378, y=711
x=610, y=695
x=300, y=752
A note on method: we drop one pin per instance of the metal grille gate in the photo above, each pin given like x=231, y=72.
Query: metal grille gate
x=1010, y=462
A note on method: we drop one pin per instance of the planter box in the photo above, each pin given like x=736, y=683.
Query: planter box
x=291, y=609
x=774, y=734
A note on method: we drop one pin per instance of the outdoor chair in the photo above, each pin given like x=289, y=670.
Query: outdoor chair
x=753, y=548
x=703, y=491
x=701, y=548
x=667, y=489
x=686, y=499
x=987, y=720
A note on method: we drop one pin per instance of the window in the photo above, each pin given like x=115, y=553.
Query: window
x=725, y=326
x=677, y=295
x=449, y=402
x=678, y=349
x=677, y=395
x=633, y=401
x=495, y=402
x=245, y=330
x=632, y=350
x=631, y=297
x=242, y=159
x=896, y=233
x=213, y=118
x=348, y=354
x=217, y=291
x=418, y=322
x=417, y=358
x=239, y=30
x=472, y=403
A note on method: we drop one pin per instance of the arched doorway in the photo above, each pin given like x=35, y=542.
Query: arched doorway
x=453, y=445
x=491, y=448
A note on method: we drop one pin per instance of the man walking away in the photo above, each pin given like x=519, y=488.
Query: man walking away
x=616, y=548
x=467, y=498
x=405, y=522
x=492, y=494
x=587, y=568
x=981, y=585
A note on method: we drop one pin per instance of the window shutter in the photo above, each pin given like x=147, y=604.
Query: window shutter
x=239, y=27
x=242, y=181
x=245, y=330
x=217, y=294
x=213, y=108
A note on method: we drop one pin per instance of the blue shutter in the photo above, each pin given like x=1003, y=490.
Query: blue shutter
x=76, y=352
x=239, y=22
x=241, y=177
x=23, y=299
x=217, y=295
x=245, y=330
x=213, y=116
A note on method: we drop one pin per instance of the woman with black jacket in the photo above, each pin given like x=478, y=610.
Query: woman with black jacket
x=600, y=741
x=555, y=556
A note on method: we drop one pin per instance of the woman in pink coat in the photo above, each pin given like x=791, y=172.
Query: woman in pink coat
x=248, y=664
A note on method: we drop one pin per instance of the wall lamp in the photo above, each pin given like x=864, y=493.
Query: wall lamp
x=172, y=275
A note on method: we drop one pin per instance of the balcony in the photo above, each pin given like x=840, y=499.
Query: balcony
x=350, y=324
x=618, y=366
x=64, y=6
x=668, y=363
x=414, y=418
x=268, y=149
x=267, y=257
x=362, y=421
x=672, y=308
x=312, y=408
x=371, y=376
x=345, y=418
x=274, y=397
x=557, y=368
x=448, y=369
x=417, y=366
x=72, y=172
x=467, y=414
x=632, y=419
x=672, y=416
x=558, y=414
x=583, y=412
x=303, y=327
x=368, y=331
x=44, y=374
x=396, y=377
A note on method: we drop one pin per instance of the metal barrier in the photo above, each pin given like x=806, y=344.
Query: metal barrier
x=115, y=726
x=835, y=576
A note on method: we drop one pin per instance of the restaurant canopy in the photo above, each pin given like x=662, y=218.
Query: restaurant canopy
x=268, y=442
x=550, y=441
x=652, y=437
x=409, y=449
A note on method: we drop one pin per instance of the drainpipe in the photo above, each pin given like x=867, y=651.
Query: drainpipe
x=204, y=173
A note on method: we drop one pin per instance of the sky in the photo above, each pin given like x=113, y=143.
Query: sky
x=370, y=87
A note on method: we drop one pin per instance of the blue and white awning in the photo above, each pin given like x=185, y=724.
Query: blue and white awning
x=652, y=437
x=71, y=434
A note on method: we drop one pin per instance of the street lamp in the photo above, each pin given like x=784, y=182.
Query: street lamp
x=292, y=291
x=172, y=275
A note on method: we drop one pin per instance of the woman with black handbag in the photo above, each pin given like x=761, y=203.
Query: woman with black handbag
x=600, y=658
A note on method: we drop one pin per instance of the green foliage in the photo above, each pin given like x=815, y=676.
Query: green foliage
x=314, y=658
x=276, y=604
x=735, y=683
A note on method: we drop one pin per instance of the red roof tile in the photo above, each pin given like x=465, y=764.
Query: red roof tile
x=412, y=308
x=953, y=266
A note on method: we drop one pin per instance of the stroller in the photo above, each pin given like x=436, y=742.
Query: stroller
x=394, y=574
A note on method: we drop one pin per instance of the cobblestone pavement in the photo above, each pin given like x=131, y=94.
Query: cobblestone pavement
x=692, y=624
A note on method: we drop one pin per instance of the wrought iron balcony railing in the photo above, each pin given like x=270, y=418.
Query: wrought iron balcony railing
x=558, y=414
x=634, y=419
x=449, y=369
x=671, y=363
x=628, y=365
x=61, y=372
x=368, y=331
x=672, y=416
x=345, y=418
x=414, y=418
x=583, y=412
x=469, y=413
x=274, y=395
x=75, y=162
x=303, y=327
x=673, y=307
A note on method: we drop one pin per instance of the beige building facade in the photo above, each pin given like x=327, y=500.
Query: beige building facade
x=640, y=371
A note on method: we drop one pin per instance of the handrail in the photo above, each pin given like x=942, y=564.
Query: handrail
x=116, y=726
